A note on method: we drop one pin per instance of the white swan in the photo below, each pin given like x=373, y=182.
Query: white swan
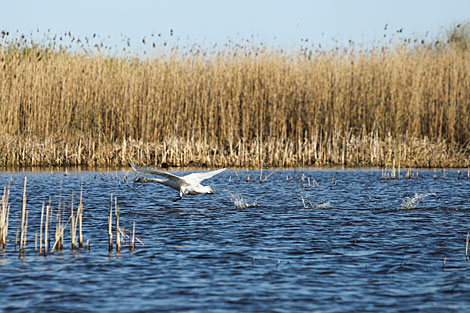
x=186, y=185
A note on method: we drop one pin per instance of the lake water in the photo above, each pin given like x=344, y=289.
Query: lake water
x=354, y=242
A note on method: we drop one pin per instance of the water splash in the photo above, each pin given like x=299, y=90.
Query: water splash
x=240, y=202
x=412, y=202
x=324, y=205
x=309, y=205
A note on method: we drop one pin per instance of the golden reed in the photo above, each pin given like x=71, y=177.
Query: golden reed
x=244, y=105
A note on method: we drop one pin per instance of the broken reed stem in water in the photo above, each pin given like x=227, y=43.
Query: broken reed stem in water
x=46, y=229
x=110, y=225
x=466, y=247
x=80, y=219
x=23, y=215
x=4, y=217
x=72, y=225
x=118, y=231
x=58, y=244
x=133, y=237
x=25, y=230
x=392, y=175
x=80, y=224
x=266, y=177
x=60, y=228
x=40, y=227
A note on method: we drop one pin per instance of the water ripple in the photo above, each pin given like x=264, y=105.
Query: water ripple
x=358, y=244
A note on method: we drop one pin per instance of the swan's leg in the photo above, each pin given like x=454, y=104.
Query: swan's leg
x=180, y=197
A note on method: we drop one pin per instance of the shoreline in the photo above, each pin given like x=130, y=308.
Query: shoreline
x=179, y=153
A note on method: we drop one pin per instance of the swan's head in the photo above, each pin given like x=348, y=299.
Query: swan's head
x=142, y=179
x=209, y=190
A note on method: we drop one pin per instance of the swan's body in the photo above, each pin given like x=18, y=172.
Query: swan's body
x=186, y=185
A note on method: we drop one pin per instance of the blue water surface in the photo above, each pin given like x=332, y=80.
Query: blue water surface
x=303, y=240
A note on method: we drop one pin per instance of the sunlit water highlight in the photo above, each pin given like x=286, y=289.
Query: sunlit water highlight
x=377, y=245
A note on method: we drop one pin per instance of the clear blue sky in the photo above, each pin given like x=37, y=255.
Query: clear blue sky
x=214, y=21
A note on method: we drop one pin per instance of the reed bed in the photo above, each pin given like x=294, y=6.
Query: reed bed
x=72, y=101
x=44, y=224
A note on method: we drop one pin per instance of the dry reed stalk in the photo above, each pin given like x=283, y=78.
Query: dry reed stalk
x=269, y=175
x=25, y=230
x=80, y=217
x=4, y=217
x=236, y=173
x=60, y=224
x=40, y=227
x=73, y=227
x=23, y=216
x=46, y=232
x=392, y=175
x=466, y=247
x=59, y=228
x=59, y=231
x=118, y=230
x=133, y=237
x=110, y=223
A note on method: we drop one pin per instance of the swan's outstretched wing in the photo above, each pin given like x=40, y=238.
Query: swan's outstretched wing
x=153, y=171
x=199, y=177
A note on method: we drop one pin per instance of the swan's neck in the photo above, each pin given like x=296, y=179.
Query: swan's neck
x=145, y=180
